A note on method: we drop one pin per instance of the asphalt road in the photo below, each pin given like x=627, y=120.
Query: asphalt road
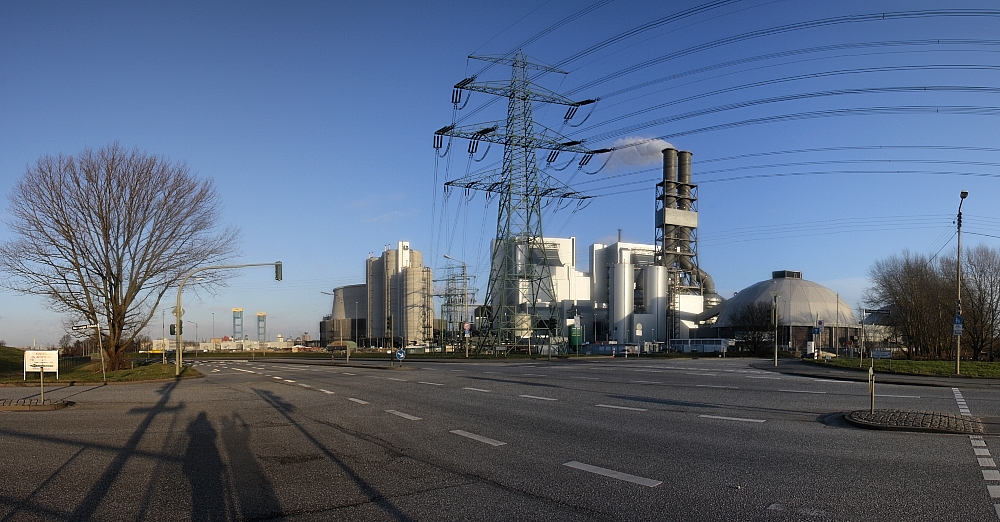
x=620, y=439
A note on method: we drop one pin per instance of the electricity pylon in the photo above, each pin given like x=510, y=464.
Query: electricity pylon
x=519, y=296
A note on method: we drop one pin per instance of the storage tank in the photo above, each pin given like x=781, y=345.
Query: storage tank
x=656, y=296
x=622, y=300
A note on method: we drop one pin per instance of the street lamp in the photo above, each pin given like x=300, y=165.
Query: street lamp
x=774, y=319
x=958, y=302
x=465, y=304
x=196, y=338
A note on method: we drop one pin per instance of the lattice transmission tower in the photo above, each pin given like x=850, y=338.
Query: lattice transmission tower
x=520, y=298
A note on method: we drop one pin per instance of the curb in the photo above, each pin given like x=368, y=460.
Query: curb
x=32, y=405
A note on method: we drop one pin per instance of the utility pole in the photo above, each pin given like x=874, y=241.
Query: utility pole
x=519, y=295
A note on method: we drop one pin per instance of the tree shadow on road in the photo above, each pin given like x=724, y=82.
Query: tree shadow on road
x=374, y=495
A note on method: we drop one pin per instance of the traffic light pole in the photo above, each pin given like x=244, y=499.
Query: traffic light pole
x=179, y=312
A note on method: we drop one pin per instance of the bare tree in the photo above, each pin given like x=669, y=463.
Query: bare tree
x=921, y=295
x=103, y=235
x=754, y=323
x=980, y=298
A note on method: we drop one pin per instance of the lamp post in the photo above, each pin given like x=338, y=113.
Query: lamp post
x=958, y=302
x=774, y=319
x=465, y=303
x=213, y=330
x=196, y=338
x=163, y=335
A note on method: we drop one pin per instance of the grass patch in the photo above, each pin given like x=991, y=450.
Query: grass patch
x=72, y=371
x=907, y=367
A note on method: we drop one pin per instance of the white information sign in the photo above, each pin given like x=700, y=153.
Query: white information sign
x=41, y=360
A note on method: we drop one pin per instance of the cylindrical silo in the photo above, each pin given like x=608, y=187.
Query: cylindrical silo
x=655, y=295
x=622, y=296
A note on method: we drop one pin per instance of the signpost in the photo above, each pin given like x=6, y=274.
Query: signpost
x=400, y=355
x=958, y=326
x=41, y=361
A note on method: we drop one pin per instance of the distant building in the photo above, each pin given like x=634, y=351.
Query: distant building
x=395, y=305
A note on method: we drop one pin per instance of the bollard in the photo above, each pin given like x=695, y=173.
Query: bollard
x=871, y=386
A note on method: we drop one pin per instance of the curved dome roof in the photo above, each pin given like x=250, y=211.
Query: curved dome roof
x=800, y=302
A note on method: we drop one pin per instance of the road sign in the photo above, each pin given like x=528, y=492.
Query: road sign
x=175, y=312
x=467, y=326
x=820, y=323
x=958, y=329
x=815, y=331
x=401, y=354
x=41, y=360
x=958, y=319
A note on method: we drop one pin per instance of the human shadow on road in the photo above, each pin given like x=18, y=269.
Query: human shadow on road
x=205, y=471
x=255, y=496
x=374, y=495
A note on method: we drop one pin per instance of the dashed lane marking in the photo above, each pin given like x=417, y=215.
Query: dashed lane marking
x=345, y=373
x=589, y=378
x=359, y=401
x=477, y=389
x=480, y=438
x=642, y=481
x=328, y=392
x=719, y=417
x=406, y=416
x=763, y=377
x=289, y=380
x=802, y=391
x=305, y=385
x=716, y=386
x=431, y=383
x=900, y=396
x=986, y=463
x=619, y=407
x=538, y=398
x=276, y=377
x=395, y=379
x=648, y=382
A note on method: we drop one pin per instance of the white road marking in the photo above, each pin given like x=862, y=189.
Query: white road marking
x=345, y=373
x=731, y=418
x=533, y=375
x=986, y=462
x=456, y=370
x=539, y=398
x=802, y=391
x=305, y=385
x=981, y=452
x=762, y=377
x=431, y=383
x=613, y=474
x=619, y=407
x=991, y=474
x=477, y=389
x=650, y=371
x=994, y=491
x=395, y=379
x=978, y=443
x=589, y=378
x=359, y=401
x=716, y=386
x=326, y=391
x=649, y=382
x=276, y=377
x=480, y=438
x=403, y=415
x=832, y=380
x=707, y=374
x=900, y=396
x=289, y=380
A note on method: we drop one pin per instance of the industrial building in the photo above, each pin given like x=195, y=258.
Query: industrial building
x=807, y=312
x=394, y=307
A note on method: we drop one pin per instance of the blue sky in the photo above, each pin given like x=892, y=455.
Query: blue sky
x=315, y=122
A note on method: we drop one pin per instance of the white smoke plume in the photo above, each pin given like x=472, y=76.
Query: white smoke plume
x=637, y=152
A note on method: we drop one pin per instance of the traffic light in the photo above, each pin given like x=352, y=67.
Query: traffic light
x=173, y=329
x=277, y=271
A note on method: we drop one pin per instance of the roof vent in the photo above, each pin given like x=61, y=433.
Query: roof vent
x=786, y=274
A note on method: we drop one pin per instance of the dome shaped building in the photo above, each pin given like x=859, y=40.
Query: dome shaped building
x=807, y=311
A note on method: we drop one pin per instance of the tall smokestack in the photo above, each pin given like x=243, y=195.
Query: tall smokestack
x=669, y=202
